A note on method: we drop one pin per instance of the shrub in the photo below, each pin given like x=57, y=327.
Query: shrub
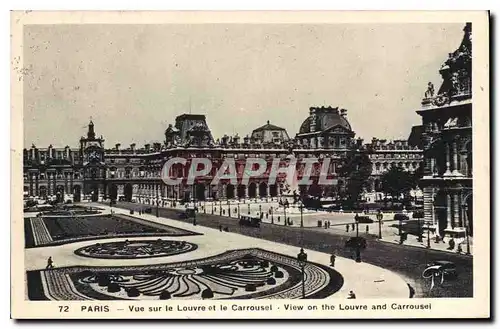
x=250, y=287
x=133, y=292
x=207, y=293
x=103, y=280
x=114, y=287
x=165, y=295
x=278, y=274
x=271, y=281
x=274, y=268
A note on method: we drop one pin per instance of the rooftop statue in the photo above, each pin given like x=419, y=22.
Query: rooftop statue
x=430, y=90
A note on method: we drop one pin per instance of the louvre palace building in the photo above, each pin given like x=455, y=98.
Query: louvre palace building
x=447, y=144
x=133, y=173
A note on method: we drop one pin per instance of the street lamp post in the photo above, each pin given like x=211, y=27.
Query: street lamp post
x=302, y=258
x=399, y=225
x=284, y=211
x=428, y=236
x=301, y=205
x=272, y=215
x=228, y=208
x=238, y=209
x=380, y=216
x=249, y=208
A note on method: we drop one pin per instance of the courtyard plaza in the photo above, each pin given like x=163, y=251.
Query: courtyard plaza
x=367, y=280
x=274, y=213
x=407, y=260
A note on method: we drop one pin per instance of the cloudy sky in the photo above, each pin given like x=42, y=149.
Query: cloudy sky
x=133, y=80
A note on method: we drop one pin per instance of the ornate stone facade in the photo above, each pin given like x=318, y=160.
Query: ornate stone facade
x=447, y=141
x=385, y=154
x=135, y=173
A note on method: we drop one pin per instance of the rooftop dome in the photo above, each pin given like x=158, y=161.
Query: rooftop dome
x=326, y=118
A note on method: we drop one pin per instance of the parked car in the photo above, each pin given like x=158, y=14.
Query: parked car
x=363, y=219
x=250, y=220
x=400, y=217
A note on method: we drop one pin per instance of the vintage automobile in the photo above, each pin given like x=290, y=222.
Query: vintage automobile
x=250, y=220
x=363, y=219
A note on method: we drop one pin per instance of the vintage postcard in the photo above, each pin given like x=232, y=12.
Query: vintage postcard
x=320, y=165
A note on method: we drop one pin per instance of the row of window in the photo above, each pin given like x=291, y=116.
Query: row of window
x=57, y=176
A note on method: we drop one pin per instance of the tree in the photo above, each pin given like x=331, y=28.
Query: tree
x=396, y=181
x=357, y=168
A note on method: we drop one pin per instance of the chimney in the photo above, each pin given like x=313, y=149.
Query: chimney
x=147, y=147
x=343, y=113
x=117, y=146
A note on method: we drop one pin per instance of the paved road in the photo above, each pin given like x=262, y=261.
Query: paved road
x=405, y=260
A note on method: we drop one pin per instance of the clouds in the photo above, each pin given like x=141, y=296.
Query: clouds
x=133, y=78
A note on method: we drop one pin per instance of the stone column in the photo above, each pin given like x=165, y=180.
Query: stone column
x=71, y=181
x=435, y=222
x=455, y=159
x=66, y=183
x=456, y=210
x=448, y=172
x=449, y=209
x=48, y=176
x=37, y=185
x=54, y=183
x=224, y=190
x=428, y=202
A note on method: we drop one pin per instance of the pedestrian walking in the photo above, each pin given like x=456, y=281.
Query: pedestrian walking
x=347, y=227
x=332, y=260
x=220, y=228
x=50, y=263
x=451, y=244
x=352, y=227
